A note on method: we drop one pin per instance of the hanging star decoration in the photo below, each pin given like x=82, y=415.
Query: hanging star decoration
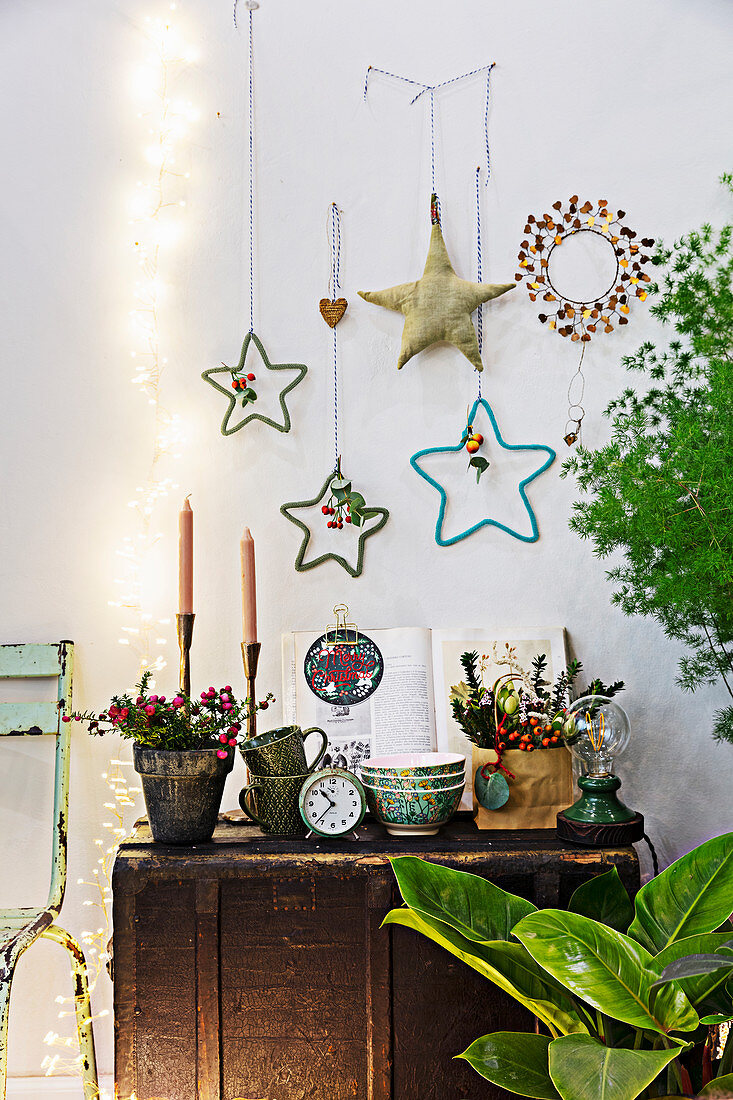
x=241, y=384
x=535, y=534
x=342, y=506
x=438, y=307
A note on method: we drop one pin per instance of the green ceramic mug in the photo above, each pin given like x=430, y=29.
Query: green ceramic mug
x=282, y=751
x=276, y=808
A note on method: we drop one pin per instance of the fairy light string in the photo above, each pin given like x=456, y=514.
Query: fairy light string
x=155, y=222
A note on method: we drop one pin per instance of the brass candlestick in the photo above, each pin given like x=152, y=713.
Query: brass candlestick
x=250, y=657
x=184, y=625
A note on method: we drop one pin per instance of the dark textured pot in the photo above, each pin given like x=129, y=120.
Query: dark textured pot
x=182, y=791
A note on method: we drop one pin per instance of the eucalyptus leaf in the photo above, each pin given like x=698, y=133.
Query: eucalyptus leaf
x=515, y=1062
x=493, y=791
x=605, y=968
x=693, y=895
x=700, y=989
x=340, y=494
x=472, y=905
x=508, y=966
x=604, y=899
x=356, y=500
x=356, y=518
x=581, y=1067
x=480, y=465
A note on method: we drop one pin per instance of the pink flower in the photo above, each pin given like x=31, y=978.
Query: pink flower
x=232, y=741
x=154, y=699
x=161, y=698
x=223, y=738
x=124, y=712
x=204, y=695
x=65, y=718
x=150, y=709
x=228, y=688
x=224, y=697
x=227, y=706
x=177, y=702
x=232, y=729
x=222, y=754
x=139, y=700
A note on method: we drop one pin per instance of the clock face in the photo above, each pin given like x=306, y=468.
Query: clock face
x=332, y=802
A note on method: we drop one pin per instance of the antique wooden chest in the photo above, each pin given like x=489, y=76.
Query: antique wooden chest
x=256, y=968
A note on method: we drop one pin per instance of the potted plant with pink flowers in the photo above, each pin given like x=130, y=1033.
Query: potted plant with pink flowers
x=183, y=751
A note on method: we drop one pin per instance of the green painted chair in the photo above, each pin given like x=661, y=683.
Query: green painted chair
x=19, y=928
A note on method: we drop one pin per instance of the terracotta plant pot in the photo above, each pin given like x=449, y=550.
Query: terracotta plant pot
x=182, y=791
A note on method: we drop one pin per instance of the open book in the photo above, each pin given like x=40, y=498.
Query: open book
x=410, y=709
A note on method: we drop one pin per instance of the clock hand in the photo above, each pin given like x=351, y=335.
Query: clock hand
x=318, y=820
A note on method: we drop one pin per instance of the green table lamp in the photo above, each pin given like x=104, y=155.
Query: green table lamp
x=596, y=730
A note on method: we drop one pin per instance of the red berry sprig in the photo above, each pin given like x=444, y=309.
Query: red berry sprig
x=338, y=513
x=241, y=383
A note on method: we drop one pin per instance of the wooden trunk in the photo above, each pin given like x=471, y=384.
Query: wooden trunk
x=252, y=968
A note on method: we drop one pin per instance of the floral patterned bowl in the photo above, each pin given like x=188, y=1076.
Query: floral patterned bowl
x=417, y=813
x=422, y=764
x=412, y=782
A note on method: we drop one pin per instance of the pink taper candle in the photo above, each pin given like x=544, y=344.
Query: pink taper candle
x=249, y=588
x=185, y=559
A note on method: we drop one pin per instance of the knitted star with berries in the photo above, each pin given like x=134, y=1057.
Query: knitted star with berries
x=437, y=307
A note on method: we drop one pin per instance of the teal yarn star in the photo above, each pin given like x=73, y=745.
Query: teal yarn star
x=252, y=337
x=301, y=565
x=551, y=456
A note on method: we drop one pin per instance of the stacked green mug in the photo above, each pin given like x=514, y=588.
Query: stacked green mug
x=278, y=769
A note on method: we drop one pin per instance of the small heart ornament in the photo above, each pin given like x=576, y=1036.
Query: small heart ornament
x=332, y=311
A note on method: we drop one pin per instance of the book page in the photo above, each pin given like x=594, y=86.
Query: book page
x=398, y=717
x=448, y=645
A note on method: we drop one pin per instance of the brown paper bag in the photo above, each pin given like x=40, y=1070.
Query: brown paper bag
x=542, y=785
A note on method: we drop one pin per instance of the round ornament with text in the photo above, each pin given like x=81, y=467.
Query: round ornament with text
x=345, y=672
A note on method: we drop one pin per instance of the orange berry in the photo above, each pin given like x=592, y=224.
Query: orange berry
x=522, y=745
x=545, y=741
x=472, y=446
x=478, y=437
x=533, y=721
x=530, y=748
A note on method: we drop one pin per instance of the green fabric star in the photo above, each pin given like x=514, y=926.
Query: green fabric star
x=252, y=337
x=438, y=307
x=300, y=564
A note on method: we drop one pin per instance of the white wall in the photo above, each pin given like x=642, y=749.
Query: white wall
x=626, y=101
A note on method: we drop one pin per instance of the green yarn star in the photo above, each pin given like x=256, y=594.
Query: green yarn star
x=252, y=337
x=300, y=564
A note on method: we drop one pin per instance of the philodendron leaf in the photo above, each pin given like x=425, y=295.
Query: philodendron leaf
x=581, y=1068
x=718, y=1018
x=696, y=966
x=605, y=968
x=508, y=966
x=517, y=1062
x=693, y=895
x=480, y=465
x=604, y=899
x=721, y=1088
x=472, y=905
x=702, y=988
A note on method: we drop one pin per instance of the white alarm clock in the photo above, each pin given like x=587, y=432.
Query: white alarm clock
x=332, y=802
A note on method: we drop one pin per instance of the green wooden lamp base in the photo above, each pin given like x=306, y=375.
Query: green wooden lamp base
x=599, y=818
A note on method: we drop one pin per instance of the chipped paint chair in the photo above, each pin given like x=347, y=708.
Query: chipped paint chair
x=19, y=928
